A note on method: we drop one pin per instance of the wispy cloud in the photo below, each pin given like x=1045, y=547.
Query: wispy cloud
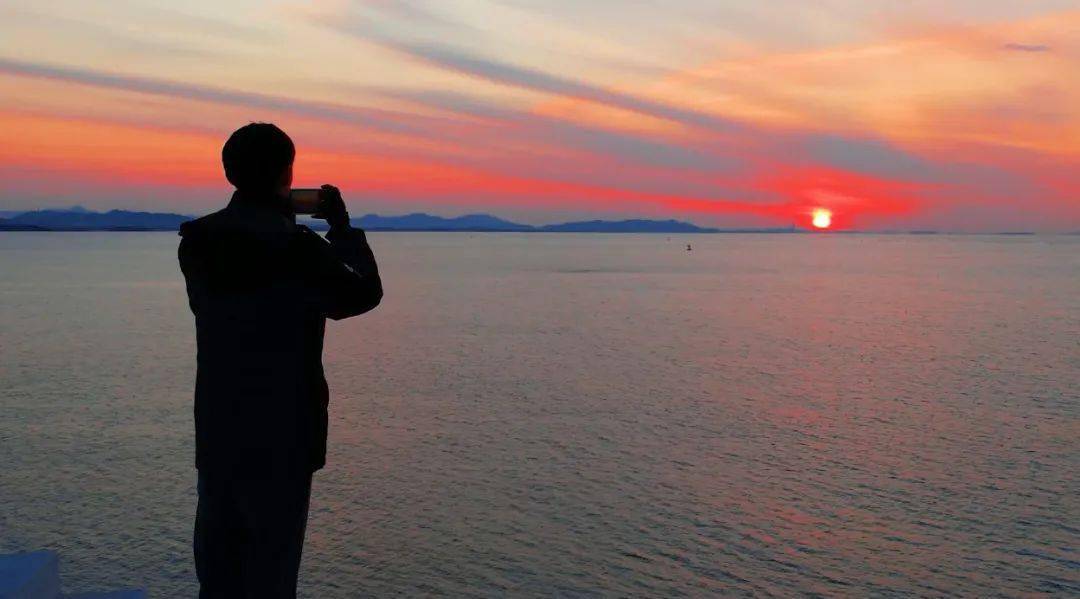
x=373, y=118
x=509, y=74
x=510, y=124
x=1035, y=48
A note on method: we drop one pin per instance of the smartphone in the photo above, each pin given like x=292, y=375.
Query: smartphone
x=305, y=201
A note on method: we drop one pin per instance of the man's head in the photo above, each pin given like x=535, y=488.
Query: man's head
x=258, y=159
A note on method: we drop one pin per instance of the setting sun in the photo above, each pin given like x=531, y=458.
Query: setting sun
x=822, y=218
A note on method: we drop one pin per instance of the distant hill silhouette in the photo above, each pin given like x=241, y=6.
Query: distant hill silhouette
x=418, y=221
x=626, y=226
x=85, y=220
x=78, y=218
x=486, y=222
x=8, y=214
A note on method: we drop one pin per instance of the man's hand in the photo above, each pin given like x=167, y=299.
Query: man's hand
x=332, y=207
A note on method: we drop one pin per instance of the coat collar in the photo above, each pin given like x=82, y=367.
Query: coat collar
x=266, y=212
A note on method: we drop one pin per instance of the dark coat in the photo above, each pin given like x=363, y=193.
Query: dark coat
x=261, y=288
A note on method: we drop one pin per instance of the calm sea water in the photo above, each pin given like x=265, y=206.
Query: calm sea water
x=579, y=415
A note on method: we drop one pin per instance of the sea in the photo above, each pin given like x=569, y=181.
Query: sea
x=579, y=415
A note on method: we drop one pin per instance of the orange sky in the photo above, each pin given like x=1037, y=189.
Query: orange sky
x=949, y=115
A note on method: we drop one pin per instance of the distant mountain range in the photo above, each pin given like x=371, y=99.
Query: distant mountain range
x=418, y=221
x=78, y=218
x=485, y=222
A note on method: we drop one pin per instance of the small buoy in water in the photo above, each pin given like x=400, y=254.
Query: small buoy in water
x=688, y=248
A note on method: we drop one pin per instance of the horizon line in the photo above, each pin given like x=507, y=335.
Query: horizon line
x=530, y=228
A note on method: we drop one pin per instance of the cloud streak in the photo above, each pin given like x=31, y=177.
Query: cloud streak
x=1033, y=48
x=377, y=119
x=504, y=73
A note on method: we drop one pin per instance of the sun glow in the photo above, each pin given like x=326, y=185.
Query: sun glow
x=821, y=218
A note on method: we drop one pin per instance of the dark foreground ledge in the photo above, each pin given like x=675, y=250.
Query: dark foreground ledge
x=36, y=575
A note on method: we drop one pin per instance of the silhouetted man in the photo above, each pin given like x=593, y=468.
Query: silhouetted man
x=261, y=288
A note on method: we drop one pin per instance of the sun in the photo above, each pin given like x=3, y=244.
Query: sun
x=821, y=218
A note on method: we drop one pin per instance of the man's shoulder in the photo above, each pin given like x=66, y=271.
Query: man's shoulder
x=205, y=225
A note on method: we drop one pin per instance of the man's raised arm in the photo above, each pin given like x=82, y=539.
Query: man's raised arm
x=349, y=277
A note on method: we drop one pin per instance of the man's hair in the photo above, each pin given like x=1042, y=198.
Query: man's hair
x=256, y=155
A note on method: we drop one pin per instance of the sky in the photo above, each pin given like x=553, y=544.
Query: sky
x=959, y=115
